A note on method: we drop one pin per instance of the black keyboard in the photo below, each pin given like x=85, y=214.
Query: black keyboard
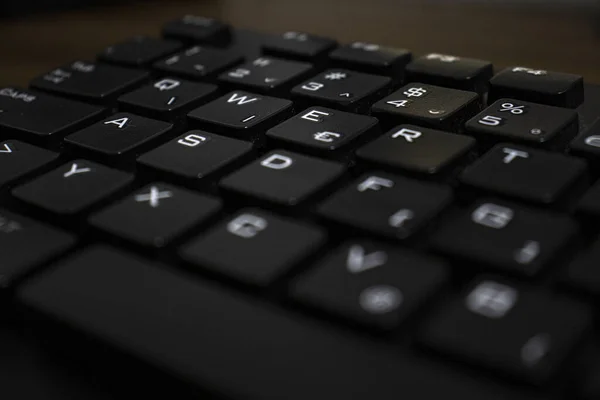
x=218, y=213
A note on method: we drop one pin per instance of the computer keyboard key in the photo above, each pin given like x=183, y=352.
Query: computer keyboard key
x=340, y=88
x=371, y=283
x=451, y=71
x=518, y=330
x=73, y=187
x=199, y=62
x=156, y=214
x=118, y=134
x=587, y=145
x=283, y=177
x=241, y=113
x=139, y=51
x=167, y=97
x=538, y=86
x=386, y=204
x=94, y=82
x=323, y=130
x=534, y=175
x=193, y=28
x=372, y=58
x=266, y=74
x=220, y=345
x=18, y=159
x=254, y=246
x=506, y=237
x=26, y=244
x=583, y=273
x=298, y=45
x=40, y=115
x=427, y=105
x=415, y=149
x=195, y=154
x=521, y=121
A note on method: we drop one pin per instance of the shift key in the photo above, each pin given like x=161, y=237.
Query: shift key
x=36, y=114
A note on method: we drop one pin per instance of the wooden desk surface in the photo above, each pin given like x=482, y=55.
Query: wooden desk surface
x=556, y=38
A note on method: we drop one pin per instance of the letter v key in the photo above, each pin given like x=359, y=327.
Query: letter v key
x=358, y=261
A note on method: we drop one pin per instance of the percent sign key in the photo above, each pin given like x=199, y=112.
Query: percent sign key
x=521, y=121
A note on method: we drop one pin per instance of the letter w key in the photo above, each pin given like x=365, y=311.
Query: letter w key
x=241, y=111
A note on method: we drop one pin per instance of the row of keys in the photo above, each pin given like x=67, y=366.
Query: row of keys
x=83, y=79
x=40, y=115
x=97, y=291
x=506, y=327
x=380, y=203
x=533, y=175
x=523, y=83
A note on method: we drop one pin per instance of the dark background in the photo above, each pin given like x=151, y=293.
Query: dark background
x=561, y=36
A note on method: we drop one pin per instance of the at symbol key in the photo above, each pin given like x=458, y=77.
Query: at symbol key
x=521, y=121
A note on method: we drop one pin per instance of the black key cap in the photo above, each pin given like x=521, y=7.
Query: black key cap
x=520, y=121
x=139, y=51
x=386, y=204
x=538, y=86
x=18, y=159
x=156, y=214
x=427, y=105
x=25, y=244
x=118, y=134
x=534, y=175
x=90, y=81
x=323, y=130
x=283, y=177
x=254, y=246
x=587, y=145
x=298, y=45
x=266, y=74
x=372, y=58
x=73, y=187
x=589, y=205
x=41, y=115
x=509, y=238
x=451, y=71
x=199, y=62
x=372, y=283
x=193, y=28
x=99, y=290
x=241, y=113
x=340, y=88
x=167, y=97
x=196, y=154
x=416, y=149
x=583, y=273
x=525, y=333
